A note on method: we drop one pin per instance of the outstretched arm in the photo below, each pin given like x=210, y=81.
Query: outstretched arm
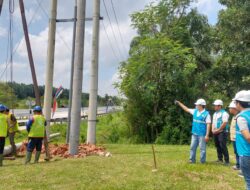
x=185, y=108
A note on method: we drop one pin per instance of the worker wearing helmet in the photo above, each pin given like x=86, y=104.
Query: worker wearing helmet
x=36, y=132
x=234, y=112
x=242, y=100
x=200, y=129
x=220, y=130
x=13, y=128
x=3, y=131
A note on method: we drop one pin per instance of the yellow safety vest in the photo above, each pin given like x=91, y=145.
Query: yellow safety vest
x=38, y=126
x=13, y=125
x=3, y=125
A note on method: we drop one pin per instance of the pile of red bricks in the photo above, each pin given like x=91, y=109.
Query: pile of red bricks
x=63, y=150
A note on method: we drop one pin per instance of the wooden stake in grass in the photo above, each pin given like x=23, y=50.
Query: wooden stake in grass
x=155, y=167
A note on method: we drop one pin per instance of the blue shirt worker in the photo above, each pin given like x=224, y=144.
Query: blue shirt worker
x=220, y=131
x=200, y=129
x=242, y=100
x=36, y=132
x=3, y=131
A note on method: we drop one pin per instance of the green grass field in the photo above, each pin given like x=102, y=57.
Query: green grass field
x=130, y=167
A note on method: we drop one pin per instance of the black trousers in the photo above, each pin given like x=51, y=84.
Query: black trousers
x=221, y=146
x=35, y=143
x=2, y=143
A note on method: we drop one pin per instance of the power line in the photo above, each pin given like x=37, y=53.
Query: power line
x=112, y=28
x=113, y=50
x=11, y=10
x=113, y=7
x=31, y=20
x=45, y=12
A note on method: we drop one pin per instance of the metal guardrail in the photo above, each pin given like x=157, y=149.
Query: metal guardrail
x=62, y=120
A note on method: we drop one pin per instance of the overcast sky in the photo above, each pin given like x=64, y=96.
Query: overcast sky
x=37, y=17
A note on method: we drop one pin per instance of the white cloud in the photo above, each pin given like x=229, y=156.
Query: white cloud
x=107, y=86
x=108, y=63
x=3, y=32
x=32, y=13
x=62, y=64
x=205, y=5
x=209, y=8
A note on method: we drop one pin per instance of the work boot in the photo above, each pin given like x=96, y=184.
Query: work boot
x=1, y=160
x=37, y=156
x=28, y=157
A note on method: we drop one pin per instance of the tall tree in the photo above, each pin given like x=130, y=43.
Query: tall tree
x=232, y=70
x=169, y=59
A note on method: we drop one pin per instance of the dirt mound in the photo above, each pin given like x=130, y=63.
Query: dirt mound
x=62, y=150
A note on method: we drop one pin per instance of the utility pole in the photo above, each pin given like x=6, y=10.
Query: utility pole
x=32, y=67
x=1, y=5
x=50, y=65
x=77, y=79
x=91, y=134
x=72, y=72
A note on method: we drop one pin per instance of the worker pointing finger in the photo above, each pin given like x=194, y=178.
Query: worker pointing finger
x=200, y=128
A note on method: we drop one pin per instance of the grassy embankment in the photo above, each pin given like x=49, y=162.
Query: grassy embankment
x=130, y=167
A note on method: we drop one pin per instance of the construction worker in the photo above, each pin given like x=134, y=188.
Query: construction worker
x=3, y=131
x=242, y=101
x=13, y=128
x=220, y=131
x=36, y=132
x=234, y=112
x=200, y=129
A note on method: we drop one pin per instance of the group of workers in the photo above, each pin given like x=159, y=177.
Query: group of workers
x=239, y=131
x=36, y=132
x=201, y=128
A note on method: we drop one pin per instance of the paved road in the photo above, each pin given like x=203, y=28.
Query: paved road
x=63, y=112
x=24, y=114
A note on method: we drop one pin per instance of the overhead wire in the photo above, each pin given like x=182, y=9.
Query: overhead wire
x=117, y=23
x=59, y=35
x=111, y=46
x=112, y=29
x=19, y=43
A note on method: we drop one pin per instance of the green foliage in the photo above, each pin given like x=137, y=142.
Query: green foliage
x=232, y=68
x=178, y=55
x=7, y=96
x=156, y=73
x=168, y=60
x=22, y=92
x=110, y=128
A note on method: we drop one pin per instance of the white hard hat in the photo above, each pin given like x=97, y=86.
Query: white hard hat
x=218, y=103
x=243, y=96
x=232, y=105
x=200, y=102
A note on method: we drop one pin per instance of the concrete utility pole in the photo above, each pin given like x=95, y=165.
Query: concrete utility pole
x=91, y=135
x=50, y=65
x=32, y=67
x=72, y=72
x=1, y=5
x=77, y=79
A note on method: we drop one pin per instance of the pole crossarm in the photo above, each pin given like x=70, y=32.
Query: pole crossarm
x=73, y=20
